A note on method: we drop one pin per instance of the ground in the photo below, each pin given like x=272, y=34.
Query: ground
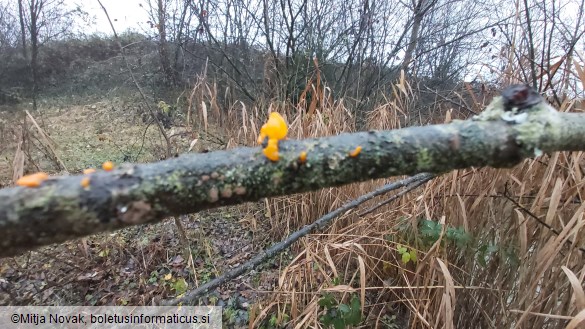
x=139, y=264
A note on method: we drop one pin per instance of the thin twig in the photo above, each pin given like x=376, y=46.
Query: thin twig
x=425, y=177
x=279, y=247
x=539, y=221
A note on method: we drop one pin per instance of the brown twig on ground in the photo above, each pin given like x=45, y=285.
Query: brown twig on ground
x=48, y=143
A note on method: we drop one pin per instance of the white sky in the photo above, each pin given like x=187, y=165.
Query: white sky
x=124, y=14
x=128, y=14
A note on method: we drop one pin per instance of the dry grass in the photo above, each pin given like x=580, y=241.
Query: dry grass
x=516, y=262
x=516, y=271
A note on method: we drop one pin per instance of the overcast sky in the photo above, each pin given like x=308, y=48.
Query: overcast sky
x=124, y=14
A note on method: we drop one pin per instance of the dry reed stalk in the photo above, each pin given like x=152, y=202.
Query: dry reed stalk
x=48, y=143
x=519, y=282
x=18, y=160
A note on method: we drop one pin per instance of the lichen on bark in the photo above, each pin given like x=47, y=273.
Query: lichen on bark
x=61, y=208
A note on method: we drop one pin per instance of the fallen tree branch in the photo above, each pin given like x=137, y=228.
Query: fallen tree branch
x=512, y=128
x=417, y=183
x=410, y=182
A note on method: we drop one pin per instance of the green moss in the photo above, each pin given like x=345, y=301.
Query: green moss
x=423, y=159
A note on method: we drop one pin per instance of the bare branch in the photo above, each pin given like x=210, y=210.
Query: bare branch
x=509, y=130
x=410, y=182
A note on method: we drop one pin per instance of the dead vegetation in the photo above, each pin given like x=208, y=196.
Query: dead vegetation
x=474, y=248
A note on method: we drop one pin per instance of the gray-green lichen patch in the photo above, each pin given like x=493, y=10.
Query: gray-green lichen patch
x=277, y=178
x=543, y=123
x=533, y=125
x=492, y=112
x=496, y=111
x=333, y=161
x=423, y=159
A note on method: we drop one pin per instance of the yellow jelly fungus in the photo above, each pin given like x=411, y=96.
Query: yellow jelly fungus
x=85, y=182
x=88, y=171
x=33, y=180
x=274, y=128
x=355, y=152
x=303, y=157
x=108, y=165
x=271, y=150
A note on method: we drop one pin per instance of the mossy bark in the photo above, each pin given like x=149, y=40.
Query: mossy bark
x=61, y=209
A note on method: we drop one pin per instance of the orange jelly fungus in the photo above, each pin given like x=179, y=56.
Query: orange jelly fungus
x=108, y=165
x=271, y=150
x=85, y=182
x=33, y=180
x=274, y=128
x=355, y=152
x=88, y=171
x=303, y=157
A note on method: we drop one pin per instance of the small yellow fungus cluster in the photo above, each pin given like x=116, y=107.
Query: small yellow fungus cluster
x=274, y=129
x=355, y=152
x=271, y=150
x=108, y=166
x=33, y=180
x=303, y=157
x=85, y=182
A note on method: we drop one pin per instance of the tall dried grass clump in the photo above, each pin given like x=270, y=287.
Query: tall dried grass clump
x=494, y=248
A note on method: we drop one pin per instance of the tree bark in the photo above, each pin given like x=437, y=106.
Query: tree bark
x=22, y=28
x=163, y=44
x=420, y=9
x=36, y=7
x=61, y=209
